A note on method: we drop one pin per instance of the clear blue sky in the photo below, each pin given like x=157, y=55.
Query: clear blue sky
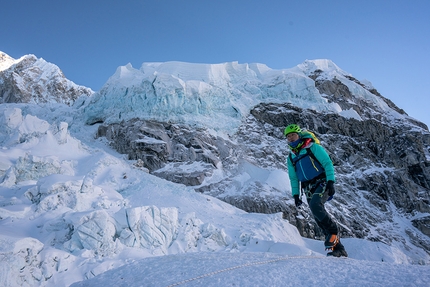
x=384, y=41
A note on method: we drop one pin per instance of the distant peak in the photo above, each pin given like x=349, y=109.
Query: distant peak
x=5, y=61
x=324, y=65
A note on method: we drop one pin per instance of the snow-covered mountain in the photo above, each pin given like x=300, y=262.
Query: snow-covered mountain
x=180, y=158
x=219, y=96
x=33, y=80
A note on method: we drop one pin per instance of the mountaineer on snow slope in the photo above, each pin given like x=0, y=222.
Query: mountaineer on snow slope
x=311, y=172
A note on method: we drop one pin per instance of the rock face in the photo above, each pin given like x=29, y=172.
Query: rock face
x=33, y=80
x=383, y=172
x=174, y=152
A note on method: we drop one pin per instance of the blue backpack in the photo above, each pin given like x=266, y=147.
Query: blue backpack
x=307, y=166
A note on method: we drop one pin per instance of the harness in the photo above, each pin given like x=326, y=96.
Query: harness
x=315, y=187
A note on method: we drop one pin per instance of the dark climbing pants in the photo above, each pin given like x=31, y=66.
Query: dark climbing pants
x=316, y=198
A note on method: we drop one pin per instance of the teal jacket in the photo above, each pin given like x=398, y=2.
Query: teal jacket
x=323, y=158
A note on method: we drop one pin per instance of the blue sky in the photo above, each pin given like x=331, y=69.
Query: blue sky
x=386, y=42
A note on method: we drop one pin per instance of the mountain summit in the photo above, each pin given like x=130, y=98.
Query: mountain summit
x=5, y=61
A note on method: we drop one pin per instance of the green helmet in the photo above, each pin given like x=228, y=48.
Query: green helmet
x=293, y=128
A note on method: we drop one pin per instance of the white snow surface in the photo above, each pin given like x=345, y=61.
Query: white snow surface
x=5, y=61
x=75, y=212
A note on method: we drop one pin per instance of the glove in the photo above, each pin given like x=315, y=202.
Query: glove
x=330, y=188
x=297, y=200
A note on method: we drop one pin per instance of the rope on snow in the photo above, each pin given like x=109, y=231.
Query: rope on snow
x=241, y=266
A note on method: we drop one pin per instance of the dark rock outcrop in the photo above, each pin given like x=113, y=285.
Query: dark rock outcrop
x=174, y=152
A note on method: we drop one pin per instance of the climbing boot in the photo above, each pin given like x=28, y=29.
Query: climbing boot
x=338, y=251
x=330, y=241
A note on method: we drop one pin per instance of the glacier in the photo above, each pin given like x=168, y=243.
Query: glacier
x=215, y=96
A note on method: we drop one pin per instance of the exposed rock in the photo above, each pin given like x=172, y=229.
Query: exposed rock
x=423, y=224
x=377, y=165
x=169, y=150
x=189, y=174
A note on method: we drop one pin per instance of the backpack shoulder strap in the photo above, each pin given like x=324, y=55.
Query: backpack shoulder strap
x=311, y=154
x=308, y=152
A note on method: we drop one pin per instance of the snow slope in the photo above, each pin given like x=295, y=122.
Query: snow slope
x=259, y=269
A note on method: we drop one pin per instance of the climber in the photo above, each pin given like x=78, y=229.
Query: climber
x=310, y=167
